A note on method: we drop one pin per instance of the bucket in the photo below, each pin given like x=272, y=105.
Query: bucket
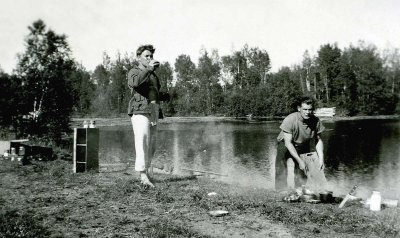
x=326, y=197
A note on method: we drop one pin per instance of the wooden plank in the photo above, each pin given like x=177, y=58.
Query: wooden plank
x=206, y=172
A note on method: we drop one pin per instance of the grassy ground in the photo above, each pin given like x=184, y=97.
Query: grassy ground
x=45, y=199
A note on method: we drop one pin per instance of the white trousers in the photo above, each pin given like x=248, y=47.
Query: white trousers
x=290, y=173
x=145, y=141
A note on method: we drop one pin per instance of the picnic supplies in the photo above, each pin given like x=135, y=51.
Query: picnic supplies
x=386, y=203
x=308, y=198
x=390, y=202
x=350, y=194
x=218, y=213
x=292, y=197
x=315, y=175
x=326, y=197
x=376, y=201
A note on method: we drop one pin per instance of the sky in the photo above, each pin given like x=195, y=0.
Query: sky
x=284, y=28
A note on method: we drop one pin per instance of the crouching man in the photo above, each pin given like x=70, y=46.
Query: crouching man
x=298, y=129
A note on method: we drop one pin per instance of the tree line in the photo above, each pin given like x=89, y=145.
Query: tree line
x=48, y=86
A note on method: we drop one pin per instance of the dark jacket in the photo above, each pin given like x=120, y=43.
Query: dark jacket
x=145, y=87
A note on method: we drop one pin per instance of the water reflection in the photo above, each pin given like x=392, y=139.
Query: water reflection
x=357, y=152
x=223, y=149
x=367, y=153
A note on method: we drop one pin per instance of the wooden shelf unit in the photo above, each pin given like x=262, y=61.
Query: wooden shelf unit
x=86, y=150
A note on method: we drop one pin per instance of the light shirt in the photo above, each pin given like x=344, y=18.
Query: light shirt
x=302, y=130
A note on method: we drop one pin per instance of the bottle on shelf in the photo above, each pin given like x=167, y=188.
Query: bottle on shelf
x=85, y=124
x=92, y=124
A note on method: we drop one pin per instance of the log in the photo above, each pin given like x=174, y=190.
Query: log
x=206, y=172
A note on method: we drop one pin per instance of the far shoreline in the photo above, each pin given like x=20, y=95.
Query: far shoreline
x=122, y=121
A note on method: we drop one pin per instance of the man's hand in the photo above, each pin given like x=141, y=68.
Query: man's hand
x=302, y=165
x=154, y=63
x=321, y=162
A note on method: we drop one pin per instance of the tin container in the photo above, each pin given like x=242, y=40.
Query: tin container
x=21, y=151
x=13, y=151
x=376, y=201
x=92, y=124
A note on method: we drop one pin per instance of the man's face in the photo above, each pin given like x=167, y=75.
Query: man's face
x=145, y=57
x=306, y=110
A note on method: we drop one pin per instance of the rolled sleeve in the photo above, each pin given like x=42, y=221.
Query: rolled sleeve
x=287, y=125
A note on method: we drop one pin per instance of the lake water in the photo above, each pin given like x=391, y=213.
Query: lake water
x=362, y=152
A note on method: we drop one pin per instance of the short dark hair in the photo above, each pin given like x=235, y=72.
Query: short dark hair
x=306, y=100
x=142, y=48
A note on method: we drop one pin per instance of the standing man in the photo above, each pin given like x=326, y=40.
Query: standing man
x=299, y=128
x=144, y=108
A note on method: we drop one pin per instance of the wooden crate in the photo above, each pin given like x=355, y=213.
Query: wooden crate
x=86, y=149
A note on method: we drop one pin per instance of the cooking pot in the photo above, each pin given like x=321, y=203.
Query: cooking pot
x=326, y=197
